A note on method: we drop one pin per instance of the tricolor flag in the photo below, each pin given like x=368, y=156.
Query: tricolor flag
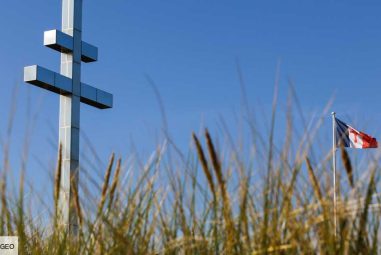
x=352, y=138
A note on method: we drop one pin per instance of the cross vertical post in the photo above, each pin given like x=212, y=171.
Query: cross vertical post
x=72, y=93
x=69, y=120
x=334, y=145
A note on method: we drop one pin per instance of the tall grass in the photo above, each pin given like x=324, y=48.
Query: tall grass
x=265, y=198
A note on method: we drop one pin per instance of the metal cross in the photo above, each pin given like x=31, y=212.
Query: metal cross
x=68, y=85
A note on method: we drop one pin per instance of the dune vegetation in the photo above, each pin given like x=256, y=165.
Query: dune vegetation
x=244, y=194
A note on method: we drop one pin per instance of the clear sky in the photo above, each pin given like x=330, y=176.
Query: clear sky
x=189, y=48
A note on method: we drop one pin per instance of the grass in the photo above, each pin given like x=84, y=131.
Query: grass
x=264, y=198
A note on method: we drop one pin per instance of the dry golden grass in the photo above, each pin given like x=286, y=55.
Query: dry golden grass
x=215, y=200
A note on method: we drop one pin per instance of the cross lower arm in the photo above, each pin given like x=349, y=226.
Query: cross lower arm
x=62, y=85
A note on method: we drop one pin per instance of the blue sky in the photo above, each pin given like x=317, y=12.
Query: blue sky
x=189, y=49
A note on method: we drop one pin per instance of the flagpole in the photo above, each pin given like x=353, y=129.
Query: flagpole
x=334, y=168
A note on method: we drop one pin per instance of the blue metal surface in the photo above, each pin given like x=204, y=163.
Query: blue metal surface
x=64, y=43
x=89, y=53
x=58, y=41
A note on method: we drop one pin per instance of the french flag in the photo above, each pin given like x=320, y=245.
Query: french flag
x=352, y=138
